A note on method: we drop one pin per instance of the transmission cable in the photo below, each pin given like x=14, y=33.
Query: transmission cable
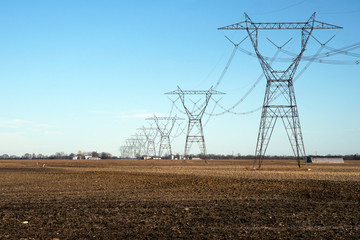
x=306, y=67
x=229, y=110
x=332, y=52
x=229, y=61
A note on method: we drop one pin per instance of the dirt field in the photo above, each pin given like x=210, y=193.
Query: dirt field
x=157, y=199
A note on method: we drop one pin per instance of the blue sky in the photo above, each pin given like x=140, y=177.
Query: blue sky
x=83, y=75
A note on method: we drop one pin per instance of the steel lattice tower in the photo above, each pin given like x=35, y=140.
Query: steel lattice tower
x=138, y=144
x=130, y=147
x=165, y=131
x=195, y=131
x=279, y=84
x=150, y=133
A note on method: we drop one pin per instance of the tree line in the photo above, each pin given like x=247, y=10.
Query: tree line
x=60, y=155
x=106, y=155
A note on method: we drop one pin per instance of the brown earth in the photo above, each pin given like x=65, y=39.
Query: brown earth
x=157, y=199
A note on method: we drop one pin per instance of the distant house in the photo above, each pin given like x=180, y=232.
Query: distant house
x=324, y=160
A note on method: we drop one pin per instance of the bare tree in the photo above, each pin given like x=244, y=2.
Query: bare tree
x=105, y=155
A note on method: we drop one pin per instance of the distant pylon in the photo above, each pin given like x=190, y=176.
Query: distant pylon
x=150, y=134
x=136, y=145
x=165, y=131
x=279, y=83
x=130, y=147
x=195, y=131
x=124, y=152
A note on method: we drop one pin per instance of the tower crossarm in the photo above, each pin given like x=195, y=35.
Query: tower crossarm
x=278, y=25
x=195, y=92
x=148, y=131
x=164, y=118
x=182, y=93
x=165, y=131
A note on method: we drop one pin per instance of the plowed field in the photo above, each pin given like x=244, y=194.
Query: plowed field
x=160, y=199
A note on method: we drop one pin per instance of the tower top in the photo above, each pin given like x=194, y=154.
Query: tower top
x=195, y=92
x=248, y=24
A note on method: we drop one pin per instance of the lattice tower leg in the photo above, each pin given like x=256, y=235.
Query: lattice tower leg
x=151, y=148
x=267, y=123
x=287, y=112
x=291, y=123
x=165, y=145
x=195, y=134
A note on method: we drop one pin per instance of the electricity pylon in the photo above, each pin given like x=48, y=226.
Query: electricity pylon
x=135, y=145
x=195, y=131
x=165, y=131
x=130, y=147
x=150, y=134
x=279, y=83
x=140, y=145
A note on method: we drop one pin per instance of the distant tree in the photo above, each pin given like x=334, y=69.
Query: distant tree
x=5, y=156
x=95, y=154
x=27, y=156
x=60, y=155
x=105, y=155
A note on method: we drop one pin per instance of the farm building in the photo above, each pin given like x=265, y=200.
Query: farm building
x=91, y=158
x=325, y=160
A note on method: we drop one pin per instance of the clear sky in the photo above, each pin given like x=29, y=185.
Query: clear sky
x=84, y=74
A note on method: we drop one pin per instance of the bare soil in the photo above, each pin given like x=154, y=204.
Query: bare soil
x=157, y=199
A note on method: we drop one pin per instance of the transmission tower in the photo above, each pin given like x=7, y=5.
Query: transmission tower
x=124, y=151
x=140, y=145
x=195, y=131
x=165, y=131
x=150, y=134
x=279, y=82
x=130, y=147
x=135, y=145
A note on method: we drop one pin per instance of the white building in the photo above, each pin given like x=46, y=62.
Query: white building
x=91, y=158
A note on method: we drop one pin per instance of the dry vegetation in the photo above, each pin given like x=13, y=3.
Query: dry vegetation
x=157, y=199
